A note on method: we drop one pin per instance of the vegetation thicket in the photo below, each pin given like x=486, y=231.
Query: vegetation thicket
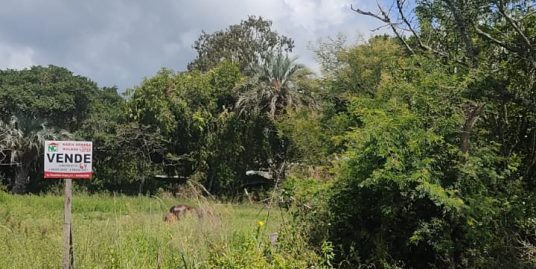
x=410, y=150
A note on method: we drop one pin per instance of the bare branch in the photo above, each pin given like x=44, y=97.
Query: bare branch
x=531, y=13
x=386, y=19
x=367, y=13
x=379, y=28
x=494, y=40
x=399, y=6
x=400, y=37
x=514, y=24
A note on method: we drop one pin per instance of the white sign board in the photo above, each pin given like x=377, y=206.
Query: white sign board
x=68, y=159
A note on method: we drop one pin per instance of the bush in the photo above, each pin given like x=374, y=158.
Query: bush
x=286, y=249
x=407, y=197
x=306, y=200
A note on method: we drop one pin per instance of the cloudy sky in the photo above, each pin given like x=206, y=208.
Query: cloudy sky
x=119, y=42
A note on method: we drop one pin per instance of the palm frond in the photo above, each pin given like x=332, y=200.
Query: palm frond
x=271, y=89
x=23, y=138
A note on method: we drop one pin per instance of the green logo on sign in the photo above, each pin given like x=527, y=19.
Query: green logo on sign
x=53, y=147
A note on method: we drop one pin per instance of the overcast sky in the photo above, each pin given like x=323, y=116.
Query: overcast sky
x=119, y=42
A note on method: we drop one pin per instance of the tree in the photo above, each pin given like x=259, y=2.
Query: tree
x=52, y=94
x=354, y=71
x=138, y=154
x=486, y=40
x=244, y=44
x=60, y=100
x=327, y=53
x=273, y=89
x=21, y=144
x=406, y=194
x=308, y=140
x=105, y=111
x=192, y=111
x=436, y=168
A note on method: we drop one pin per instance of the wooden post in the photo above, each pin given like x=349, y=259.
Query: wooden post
x=68, y=257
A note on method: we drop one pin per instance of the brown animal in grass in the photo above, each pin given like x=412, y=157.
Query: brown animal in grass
x=176, y=212
x=170, y=218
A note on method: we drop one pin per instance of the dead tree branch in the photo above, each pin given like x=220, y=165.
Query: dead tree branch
x=494, y=40
x=514, y=24
x=386, y=19
x=400, y=7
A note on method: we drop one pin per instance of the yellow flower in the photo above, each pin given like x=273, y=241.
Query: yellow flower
x=260, y=223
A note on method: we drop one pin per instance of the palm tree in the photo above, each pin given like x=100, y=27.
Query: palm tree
x=21, y=141
x=273, y=88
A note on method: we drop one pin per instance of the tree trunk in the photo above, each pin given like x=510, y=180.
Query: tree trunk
x=472, y=115
x=459, y=20
x=140, y=187
x=21, y=179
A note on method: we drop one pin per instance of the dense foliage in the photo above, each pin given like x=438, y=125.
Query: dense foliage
x=245, y=44
x=434, y=136
x=416, y=150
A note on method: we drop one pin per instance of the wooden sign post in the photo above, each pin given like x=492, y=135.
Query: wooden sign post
x=68, y=249
x=68, y=160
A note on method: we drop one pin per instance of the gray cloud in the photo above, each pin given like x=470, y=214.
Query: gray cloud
x=119, y=42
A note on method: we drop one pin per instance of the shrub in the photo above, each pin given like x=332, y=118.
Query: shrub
x=255, y=250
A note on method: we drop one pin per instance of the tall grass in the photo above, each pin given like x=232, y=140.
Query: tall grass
x=120, y=232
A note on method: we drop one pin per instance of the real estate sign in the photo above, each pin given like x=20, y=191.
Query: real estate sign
x=68, y=159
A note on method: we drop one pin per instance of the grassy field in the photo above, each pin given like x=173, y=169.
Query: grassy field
x=120, y=232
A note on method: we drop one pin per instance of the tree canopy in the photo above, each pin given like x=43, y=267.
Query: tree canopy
x=415, y=149
x=244, y=44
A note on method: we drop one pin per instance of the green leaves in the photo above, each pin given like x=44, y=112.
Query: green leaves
x=244, y=45
x=191, y=110
x=52, y=94
x=43, y=100
x=405, y=189
x=274, y=87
